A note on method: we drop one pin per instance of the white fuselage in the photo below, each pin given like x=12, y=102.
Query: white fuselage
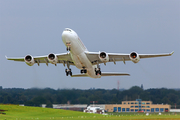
x=71, y=39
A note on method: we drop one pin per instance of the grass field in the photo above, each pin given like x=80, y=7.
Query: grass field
x=36, y=113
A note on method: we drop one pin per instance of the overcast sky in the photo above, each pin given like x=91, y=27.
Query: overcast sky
x=117, y=26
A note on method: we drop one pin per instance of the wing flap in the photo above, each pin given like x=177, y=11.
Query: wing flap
x=94, y=57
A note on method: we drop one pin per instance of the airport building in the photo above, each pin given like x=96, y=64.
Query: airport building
x=137, y=106
x=126, y=106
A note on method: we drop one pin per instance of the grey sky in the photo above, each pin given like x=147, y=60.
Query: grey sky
x=35, y=27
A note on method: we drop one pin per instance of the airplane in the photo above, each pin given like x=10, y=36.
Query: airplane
x=88, y=62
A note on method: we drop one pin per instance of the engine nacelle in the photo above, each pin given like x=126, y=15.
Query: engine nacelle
x=52, y=58
x=134, y=57
x=103, y=56
x=29, y=60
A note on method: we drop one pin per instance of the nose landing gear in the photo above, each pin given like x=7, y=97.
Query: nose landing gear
x=68, y=46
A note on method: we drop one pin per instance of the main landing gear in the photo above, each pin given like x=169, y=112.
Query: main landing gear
x=68, y=71
x=68, y=48
x=98, y=71
x=83, y=71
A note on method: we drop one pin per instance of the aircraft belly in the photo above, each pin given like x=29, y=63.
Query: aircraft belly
x=77, y=62
x=84, y=60
x=76, y=48
x=81, y=61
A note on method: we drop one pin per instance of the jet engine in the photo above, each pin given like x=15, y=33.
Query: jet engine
x=134, y=57
x=29, y=60
x=52, y=58
x=103, y=56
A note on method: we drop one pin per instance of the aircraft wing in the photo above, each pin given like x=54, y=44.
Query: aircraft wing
x=62, y=58
x=103, y=74
x=113, y=57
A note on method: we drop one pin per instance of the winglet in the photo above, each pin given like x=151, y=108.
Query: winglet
x=6, y=57
x=171, y=52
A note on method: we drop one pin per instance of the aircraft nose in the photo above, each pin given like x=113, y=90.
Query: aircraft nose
x=68, y=34
x=67, y=31
x=65, y=34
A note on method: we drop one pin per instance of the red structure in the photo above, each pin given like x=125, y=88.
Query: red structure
x=118, y=85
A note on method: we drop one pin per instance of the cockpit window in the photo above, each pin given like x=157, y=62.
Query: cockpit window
x=68, y=29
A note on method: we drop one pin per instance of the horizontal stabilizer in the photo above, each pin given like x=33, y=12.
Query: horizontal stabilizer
x=114, y=74
x=79, y=75
x=103, y=74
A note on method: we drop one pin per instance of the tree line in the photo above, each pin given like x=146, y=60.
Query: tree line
x=36, y=97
